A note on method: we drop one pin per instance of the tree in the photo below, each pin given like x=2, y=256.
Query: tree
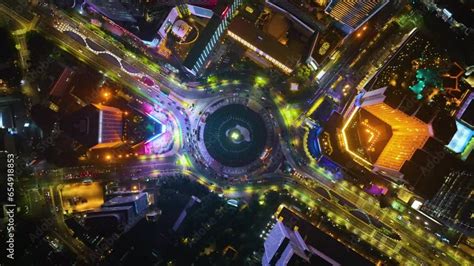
x=303, y=73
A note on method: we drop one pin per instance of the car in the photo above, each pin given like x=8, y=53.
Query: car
x=147, y=81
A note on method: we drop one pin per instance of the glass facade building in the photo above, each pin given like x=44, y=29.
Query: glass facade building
x=210, y=36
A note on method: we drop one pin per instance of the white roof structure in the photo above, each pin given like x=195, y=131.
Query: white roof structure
x=181, y=29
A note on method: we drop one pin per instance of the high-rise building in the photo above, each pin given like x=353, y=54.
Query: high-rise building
x=283, y=246
x=106, y=221
x=288, y=36
x=117, y=214
x=454, y=202
x=352, y=14
x=208, y=38
x=462, y=142
x=295, y=241
x=95, y=126
x=379, y=135
x=139, y=202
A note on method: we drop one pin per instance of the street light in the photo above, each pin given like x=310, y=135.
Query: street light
x=106, y=95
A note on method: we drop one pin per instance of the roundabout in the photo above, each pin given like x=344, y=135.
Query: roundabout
x=235, y=136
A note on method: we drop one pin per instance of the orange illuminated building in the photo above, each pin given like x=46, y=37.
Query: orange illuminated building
x=380, y=136
x=409, y=134
x=95, y=126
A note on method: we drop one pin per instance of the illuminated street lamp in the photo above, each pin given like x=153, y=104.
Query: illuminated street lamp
x=260, y=81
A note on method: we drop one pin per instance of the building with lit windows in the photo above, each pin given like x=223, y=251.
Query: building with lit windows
x=295, y=241
x=117, y=214
x=381, y=136
x=116, y=10
x=198, y=57
x=284, y=245
x=95, y=126
x=453, y=204
x=284, y=35
x=352, y=14
x=16, y=126
x=387, y=134
x=279, y=38
x=264, y=45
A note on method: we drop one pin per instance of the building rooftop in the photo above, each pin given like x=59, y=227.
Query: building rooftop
x=282, y=243
x=223, y=13
x=354, y=13
x=94, y=124
x=444, y=127
x=467, y=115
x=110, y=209
x=113, y=9
x=367, y=135
x=321, y=242
x=326, y=43
x=124, y=199
x=258, y=40
x=392, y=146
x=301, y=14
x=204, y=36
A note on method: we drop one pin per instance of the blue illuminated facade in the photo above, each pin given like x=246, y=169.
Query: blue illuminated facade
x=461, y=139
